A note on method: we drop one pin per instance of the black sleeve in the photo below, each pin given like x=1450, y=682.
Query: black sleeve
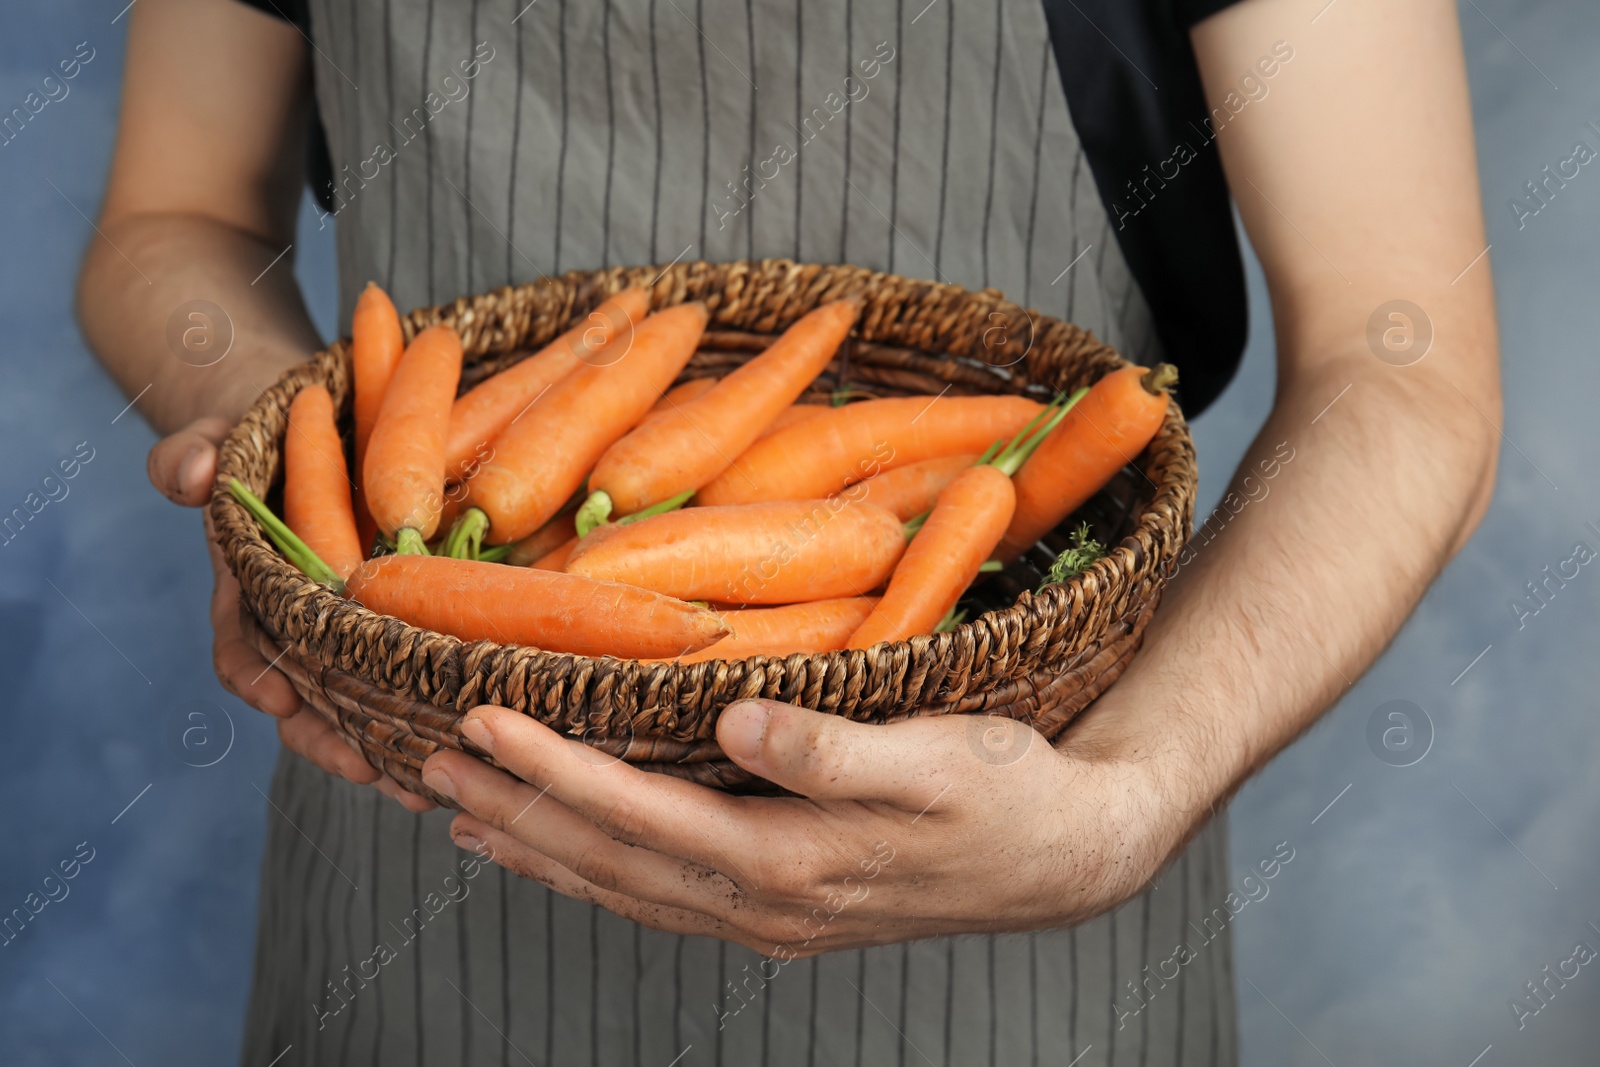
x=1189, y=12
x=1133, y=88
x=289, y=10
x=319, y=162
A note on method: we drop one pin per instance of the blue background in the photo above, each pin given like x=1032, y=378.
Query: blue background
x=1415, y=908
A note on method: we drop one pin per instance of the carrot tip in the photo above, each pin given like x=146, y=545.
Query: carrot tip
x=594, y=512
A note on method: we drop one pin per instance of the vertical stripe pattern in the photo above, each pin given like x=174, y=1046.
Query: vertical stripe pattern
x=491, y=142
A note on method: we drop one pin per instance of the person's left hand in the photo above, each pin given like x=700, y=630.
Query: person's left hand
x=929, y=826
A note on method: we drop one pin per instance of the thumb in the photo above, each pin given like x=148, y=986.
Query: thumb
x=825, y=757
x=184, y=464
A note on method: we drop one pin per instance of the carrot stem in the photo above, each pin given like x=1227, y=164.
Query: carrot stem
x=465, y=539
x=992, y=566
x=1013, y=456
x=594, y=512
x=496, y=554
x=1076, y=559
x=1032, y=425
x=951, y=620
x=672, y=503
x=294, y=549
x=408, y=542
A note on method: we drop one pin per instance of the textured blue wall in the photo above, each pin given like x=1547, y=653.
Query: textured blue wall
x=1417, y=905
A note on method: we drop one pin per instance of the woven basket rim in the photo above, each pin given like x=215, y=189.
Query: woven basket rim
x=1157, y=534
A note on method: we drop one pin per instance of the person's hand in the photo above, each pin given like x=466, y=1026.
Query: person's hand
x=930, y=826
x=183, y=467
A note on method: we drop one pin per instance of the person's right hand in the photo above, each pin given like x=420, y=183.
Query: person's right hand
x=184, y=467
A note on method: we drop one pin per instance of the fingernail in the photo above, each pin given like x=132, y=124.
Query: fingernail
x=742, y=727
x=466, y=841
x=439, y=781
x=478, y=734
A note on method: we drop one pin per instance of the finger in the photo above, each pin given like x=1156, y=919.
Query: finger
x=548, y=826
x=183, y=465
x=474, y=835
x=402, y=796
x=828, y=758
x=307, y=734
x=243, y=671
x=656, y=811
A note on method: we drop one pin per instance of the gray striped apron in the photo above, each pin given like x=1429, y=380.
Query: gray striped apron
x=480, y=144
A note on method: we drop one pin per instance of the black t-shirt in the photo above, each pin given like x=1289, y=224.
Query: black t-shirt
x=1133, y=89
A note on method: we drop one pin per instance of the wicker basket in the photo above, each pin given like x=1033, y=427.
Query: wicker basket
x=1037, y=657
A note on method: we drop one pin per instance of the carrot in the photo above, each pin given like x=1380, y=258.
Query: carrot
x=682, y=449
x=792, y=414
x=774, y=553
x=1098, y=437
x=483, y=413
x=943, y=558
x=844, y=445
x=911, y=490
x=552, y=535
x=542, y=458
x=682, y=393
x=820, y=626
x=521, y=606
x=556, y=558
x=316, y=483
x=376, y=343
x=404, y=471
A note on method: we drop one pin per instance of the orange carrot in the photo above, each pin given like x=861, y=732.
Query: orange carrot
x=542, y=458
x=943, y=558
x=820, y=626
x=682, y=449
x=911, y=490
x=520, y=606
x=404, y=469
x=1102, y=433
x=480, y=415
x=533, y=548
x=776, y=553
x=792, y=414
x=316, y=483
x=824, y=454
x=556, y=559
x=376, y=343
x=682, y=393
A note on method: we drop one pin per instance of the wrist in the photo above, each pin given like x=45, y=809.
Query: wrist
x=1179, y=751
x=225, y=391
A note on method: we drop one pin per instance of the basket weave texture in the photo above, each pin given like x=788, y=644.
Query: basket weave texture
x=1037, y=657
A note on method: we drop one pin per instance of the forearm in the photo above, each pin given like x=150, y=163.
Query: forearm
x=146, y=267
x=1302, y=578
